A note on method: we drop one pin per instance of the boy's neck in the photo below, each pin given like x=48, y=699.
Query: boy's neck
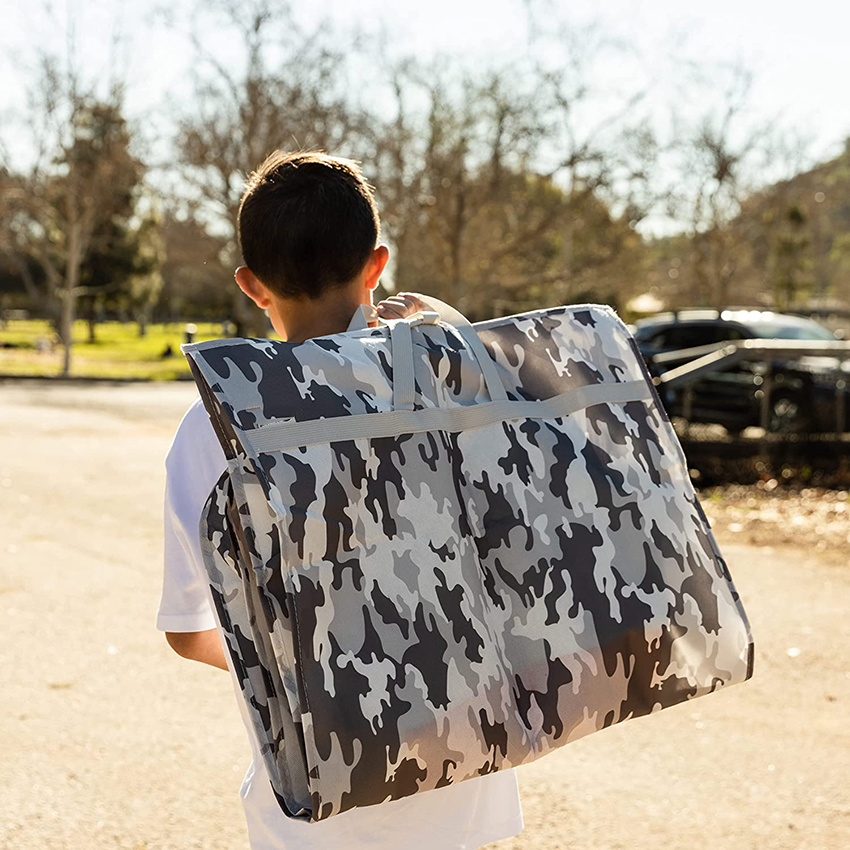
x=303, y=319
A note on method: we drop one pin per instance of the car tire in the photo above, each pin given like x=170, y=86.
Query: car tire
x=787, y=415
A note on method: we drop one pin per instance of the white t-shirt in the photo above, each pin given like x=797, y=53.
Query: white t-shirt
x=459, y=817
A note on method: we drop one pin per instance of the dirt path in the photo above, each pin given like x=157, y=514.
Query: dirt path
x=109, y=740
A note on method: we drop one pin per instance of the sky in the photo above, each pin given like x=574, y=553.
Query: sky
x=797, y=51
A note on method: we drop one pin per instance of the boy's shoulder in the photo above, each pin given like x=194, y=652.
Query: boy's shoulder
x=194, y=439
x=193, y=423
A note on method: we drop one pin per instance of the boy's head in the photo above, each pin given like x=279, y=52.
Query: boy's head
x=307, y=223
x=308, y=227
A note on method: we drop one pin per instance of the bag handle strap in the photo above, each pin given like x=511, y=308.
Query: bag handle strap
x=361, y=318
x=401, y=340
x=448, y=314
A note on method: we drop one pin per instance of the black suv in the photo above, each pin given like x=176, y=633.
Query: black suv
x=803, y=396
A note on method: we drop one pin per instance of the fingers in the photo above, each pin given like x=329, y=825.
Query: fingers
x=400, y=306
x=396, y=307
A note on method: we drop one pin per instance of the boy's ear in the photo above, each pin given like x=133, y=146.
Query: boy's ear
x=375, y=266
x=253, y=287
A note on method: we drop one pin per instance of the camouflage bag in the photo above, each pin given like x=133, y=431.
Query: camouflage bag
x=441, y=550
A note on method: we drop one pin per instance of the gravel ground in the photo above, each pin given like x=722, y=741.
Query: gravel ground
x=776, y=518
x=112, y=741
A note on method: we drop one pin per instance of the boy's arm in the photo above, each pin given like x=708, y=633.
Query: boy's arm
x=198, y=646
x=194, y=464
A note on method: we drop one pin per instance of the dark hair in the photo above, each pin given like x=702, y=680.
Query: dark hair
x=307, y=223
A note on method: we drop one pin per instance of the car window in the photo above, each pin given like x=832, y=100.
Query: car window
x=692, y=335
x=645, y=333
x=803, y=330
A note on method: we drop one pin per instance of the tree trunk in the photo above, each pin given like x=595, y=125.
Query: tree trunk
x=460, y=293
x=94, y=315
x=567, y=257
x=66, y=324
x=91, y=319
x=69, y=293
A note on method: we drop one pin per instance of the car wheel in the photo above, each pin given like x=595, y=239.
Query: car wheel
x=787, y=416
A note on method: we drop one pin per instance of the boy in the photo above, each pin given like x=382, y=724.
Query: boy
x=308, y=231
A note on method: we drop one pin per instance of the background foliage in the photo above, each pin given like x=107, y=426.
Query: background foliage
x=522, y=184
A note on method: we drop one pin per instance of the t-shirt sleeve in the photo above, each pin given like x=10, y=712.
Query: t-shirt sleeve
x=193, y=465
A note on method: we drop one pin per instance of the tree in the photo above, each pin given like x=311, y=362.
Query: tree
x=116, y=258
x=138, y=289
x=721, y=152
x=288, y=92
x=791, y=263
x=196, y=282
x=469, y=206
x=83, y=177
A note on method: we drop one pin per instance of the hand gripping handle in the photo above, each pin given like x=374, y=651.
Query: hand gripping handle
x=402, y=347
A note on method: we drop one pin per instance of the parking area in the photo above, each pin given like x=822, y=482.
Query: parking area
x=112, y=741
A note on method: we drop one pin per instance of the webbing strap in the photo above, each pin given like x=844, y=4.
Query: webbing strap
x=282, y=436
x=448, y=314
x=361, y=318
x=402, y=347
x=495, y=387
x=404, y=386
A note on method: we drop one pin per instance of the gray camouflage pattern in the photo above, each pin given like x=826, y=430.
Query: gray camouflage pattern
x=409, y=612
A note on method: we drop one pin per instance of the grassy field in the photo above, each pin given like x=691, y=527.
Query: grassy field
x=118, y=353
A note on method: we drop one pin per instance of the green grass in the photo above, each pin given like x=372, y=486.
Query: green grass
x=118, y=353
